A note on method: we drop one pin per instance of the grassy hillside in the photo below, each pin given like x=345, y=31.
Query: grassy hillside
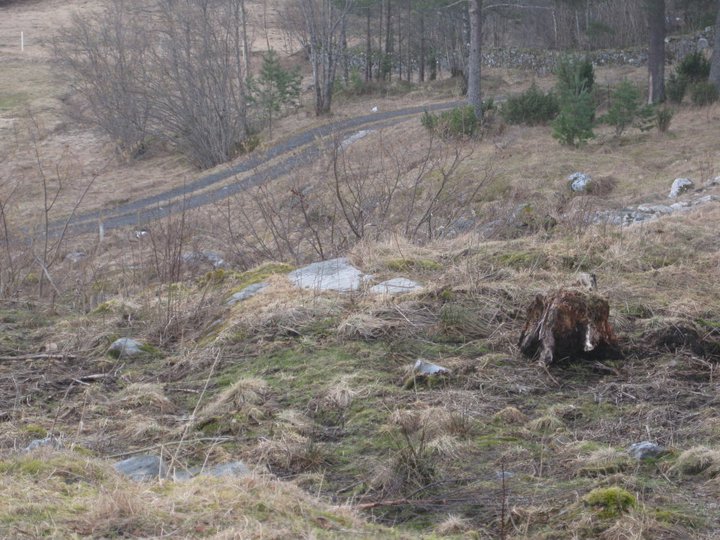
x=313, y=390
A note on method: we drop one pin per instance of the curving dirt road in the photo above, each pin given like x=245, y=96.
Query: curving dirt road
x=301, y=147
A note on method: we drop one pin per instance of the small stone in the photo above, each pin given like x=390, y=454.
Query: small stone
x=702, y=44
x=247, y=292
x=680, y=186
x=396, y=286
x=579, y=181
x=646, y=450
x=125, y=347
x=423, y=367
x=199, y=257
x=75, y=256
x=50, y=441
x=332, y=275
x=140, y=468
x=655, y=209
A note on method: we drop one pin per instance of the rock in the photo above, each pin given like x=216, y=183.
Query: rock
x=579, y=181
x=47, y=442
x=654, y=209
x=141, y=233
x=680, y=186
x=354, y=138
x=247, y=292
x=234, y=468
x=332, y=275
x=702, y=44
x=140, y=468
x=704, y=200
x=396, y=286
x=424, y=373
x=125, y=347
x=199, y=257
x=567, y=323
x=423, y=367
x=75, y=256
x=646, y=450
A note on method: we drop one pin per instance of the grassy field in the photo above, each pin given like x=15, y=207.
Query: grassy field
x=312, y=390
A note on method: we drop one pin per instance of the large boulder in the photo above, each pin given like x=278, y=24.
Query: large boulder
x=125, y=347
x=579, y=182
x=567, y=323
x=140, y=468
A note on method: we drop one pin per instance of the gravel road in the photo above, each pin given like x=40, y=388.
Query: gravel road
x=298, y=150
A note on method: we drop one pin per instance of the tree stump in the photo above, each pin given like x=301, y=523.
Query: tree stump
x=570, y=323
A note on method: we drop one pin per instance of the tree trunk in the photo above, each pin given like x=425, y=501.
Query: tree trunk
x=656, y=52
x=368, y=49
x=715, y=63
x=246, y=45
x=474, y=96
x=421, y=64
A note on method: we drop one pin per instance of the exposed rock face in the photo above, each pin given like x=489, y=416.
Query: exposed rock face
x=567, y=323
x=680, y=186
x=396, y=286
x=141, y=468
x=246, y=293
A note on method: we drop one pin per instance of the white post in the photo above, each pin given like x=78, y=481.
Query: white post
x=22, y=41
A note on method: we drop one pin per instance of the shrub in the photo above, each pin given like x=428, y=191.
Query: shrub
x=532, y=107
x=575, y=76
x=627, y=109
x=455, y=123
x=573, y=126
x=675, y=88
x=663, y=117
x=703, y=93
x=694, y=68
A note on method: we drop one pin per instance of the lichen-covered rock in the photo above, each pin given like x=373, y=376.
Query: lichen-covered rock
x=680, y=186
x=125, y=347
x=579, y=182
x=566, y=323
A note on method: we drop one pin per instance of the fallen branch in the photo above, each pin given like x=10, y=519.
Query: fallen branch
x=39, y=356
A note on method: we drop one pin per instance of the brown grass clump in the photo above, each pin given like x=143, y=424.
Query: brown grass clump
x=510, y=415
x=453, y=524
x=602, y=461
x=546, y=424
x=148, y=396
x=698, y=460
x=244, y=396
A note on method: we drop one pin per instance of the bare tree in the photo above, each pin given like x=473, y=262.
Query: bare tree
x=322, y=22
x=715, y=62
x=656, y=50
x=474, y=95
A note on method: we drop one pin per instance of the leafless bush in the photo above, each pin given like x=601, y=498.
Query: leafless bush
x=174, y=73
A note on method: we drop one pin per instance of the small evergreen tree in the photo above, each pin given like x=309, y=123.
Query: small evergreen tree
x=574, y=125
x=627, y=109
x=275, y=87
x=575, y=76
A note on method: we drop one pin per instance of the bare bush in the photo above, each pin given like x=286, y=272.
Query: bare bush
x=174, y=73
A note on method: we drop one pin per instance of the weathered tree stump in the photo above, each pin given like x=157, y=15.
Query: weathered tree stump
x=566, y=323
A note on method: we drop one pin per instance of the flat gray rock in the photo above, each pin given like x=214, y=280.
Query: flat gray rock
x=140, y=468
x=333, y=275
x=396, y=286
x=125, y=347
x=47, y=442
x=247, y=292
x=680, y=186
x=234, y=468
x=646, y=450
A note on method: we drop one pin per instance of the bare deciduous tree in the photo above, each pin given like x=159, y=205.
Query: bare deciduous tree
x=185, y=86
